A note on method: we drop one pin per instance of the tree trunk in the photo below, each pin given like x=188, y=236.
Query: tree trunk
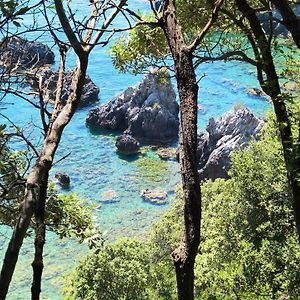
x=184, y=256
x=271, y=86
x=40, y=238
x=290, y=20
x=38, y=176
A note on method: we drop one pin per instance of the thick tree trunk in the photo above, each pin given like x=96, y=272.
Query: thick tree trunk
x=290, y=20
x=271, y=86
x=184, y=256
x=38, y=176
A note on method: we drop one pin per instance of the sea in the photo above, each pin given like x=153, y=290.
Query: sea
x=96, y=169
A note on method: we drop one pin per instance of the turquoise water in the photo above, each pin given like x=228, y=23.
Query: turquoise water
x=95, y=167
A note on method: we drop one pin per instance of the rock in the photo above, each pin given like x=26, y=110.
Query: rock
x=109, y=196
x=147, y=111
x=48, y=80
x=232, y=131
x=157, y=197
x=126, y=144
x=19, y=53
x=63, y=179
x=166, y=153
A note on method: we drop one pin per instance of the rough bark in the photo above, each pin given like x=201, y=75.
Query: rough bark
x=37, y=178
x=270, y=85
x=40, y=234
x=184, y=256
x=290, y=20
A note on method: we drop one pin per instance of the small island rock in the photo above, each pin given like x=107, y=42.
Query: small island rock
x=147, y=111
x=63, y=179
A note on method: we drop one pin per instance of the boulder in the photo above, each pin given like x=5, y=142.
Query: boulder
x=126, y=144
x=157, y=197
x=147, y=111
x=48, y=81
x=19, y=53
x=232, y=131
x=63, y=179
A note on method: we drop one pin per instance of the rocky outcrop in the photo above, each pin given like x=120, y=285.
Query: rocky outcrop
x=126, y=144
x=18, y=53
x=232, y=131
x=48, y=81
x=147, y=111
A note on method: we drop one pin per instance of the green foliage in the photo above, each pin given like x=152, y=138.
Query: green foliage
x=117, y=272
x=69, y=216
x=143, y=47
x=12, y=165
x=249, y=247
x=66, y=215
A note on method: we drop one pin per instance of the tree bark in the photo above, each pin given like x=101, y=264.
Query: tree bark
x=184, y=256
x=290, y=20
x=271, y=86
x=38, y=176
x=40, y=238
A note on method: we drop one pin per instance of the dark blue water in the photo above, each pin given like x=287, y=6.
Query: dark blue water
x=95, y=167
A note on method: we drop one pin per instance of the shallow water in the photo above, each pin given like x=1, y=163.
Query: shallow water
x=95, y=167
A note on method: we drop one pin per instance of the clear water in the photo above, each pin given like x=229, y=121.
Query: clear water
x=95, y=167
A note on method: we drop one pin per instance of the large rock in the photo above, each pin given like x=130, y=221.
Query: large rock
x=47, y=78
x=232, y=131
x=19, y=53
x=147, y=111
x=126, y=144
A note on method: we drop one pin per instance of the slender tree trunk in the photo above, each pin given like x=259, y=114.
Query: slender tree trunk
x=290, y=20
x=37, y=178
x=40, y=238
x=271, y=86
x=184, y=256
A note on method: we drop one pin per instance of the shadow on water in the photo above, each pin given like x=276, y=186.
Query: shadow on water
x=130, y=157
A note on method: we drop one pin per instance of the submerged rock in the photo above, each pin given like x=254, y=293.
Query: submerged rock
x=157, y=197
x=63, y=179
x=126, y=144
x=19, y=53
x=167, y=153
x=109, y=196
x=147, y=111
x=48, y=81
x=256, y=92
x=232, y=131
